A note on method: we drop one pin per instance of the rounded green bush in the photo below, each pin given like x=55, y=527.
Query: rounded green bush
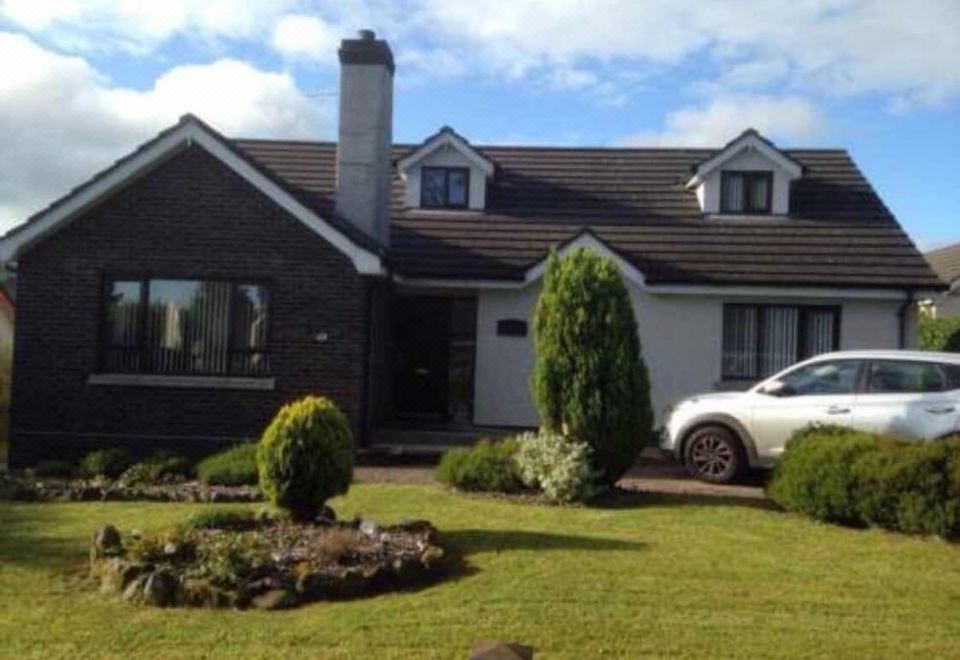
x=844, y=476
x=306, y=456
x=236, y=466
x=110, y=463
x=487, y=466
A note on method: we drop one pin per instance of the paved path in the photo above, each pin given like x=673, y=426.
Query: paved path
x=650, y=475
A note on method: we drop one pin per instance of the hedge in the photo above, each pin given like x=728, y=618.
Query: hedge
x=844, y=476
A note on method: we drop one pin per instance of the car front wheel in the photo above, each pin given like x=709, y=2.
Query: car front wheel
x=713, y=454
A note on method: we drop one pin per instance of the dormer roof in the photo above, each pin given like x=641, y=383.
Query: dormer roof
x=749, y=140
x=446, y=137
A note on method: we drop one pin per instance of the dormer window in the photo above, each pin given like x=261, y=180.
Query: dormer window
x=746, y=192
x=749, y=176
x=444, y=187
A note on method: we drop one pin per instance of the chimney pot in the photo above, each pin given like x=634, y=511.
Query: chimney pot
x=367, y=35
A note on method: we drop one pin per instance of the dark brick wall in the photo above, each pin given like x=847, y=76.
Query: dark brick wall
x=189, y=217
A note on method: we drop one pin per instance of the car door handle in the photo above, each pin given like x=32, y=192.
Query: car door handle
x=940, y=410
x=837, y=410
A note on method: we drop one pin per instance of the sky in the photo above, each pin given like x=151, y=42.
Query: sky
x=82, y=82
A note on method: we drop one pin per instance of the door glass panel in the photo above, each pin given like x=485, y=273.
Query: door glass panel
x=837, y=377
x=820, y=332
x=739, y=342
x=122, y=329
x=895, y=377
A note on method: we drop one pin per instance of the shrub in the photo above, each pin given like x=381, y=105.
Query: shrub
x=235, y=519
x=306, y=456
x=845, y=476
x=557, y=465
x=935, y=334
x=236, y=466
x=487, y=466
x=160, y=467
x=54, y=468
x=109, y=463
x=589, y=380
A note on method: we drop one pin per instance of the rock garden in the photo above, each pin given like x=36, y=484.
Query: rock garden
x=294, y=552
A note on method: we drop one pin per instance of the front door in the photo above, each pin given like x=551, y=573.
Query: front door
x=423, y=357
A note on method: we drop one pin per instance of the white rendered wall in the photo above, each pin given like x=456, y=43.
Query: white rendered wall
x=681, y=338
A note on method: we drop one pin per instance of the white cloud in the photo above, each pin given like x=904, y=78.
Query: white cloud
x=307, y=37
x=140, y=26
x=907, y=50
x=61, y=120
x=722, y=119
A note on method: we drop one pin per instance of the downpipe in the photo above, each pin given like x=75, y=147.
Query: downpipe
x=902, y=317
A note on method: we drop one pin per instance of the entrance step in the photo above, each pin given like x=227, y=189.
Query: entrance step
x=429, y=441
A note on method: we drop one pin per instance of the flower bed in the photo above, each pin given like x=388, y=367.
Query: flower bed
x=244, y=560
x=25, y=488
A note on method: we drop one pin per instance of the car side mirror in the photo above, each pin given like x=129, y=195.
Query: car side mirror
x=777, y=388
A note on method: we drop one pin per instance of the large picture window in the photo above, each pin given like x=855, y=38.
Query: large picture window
x=760, y=340
x=746, y=192
x=176, y=326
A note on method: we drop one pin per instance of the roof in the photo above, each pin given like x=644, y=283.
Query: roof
x=364, y=251
x=634, y=200
x=946, y=262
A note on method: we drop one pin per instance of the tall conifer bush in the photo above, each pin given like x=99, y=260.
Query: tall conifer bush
x=589, y=380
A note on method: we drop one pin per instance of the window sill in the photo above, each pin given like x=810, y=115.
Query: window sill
x=183, y=382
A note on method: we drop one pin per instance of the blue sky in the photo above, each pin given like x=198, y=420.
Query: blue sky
x=83, y=81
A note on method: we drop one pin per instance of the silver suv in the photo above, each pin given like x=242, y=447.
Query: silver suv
x=911, y=394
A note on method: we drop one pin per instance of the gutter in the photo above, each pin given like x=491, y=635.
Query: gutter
x=902, y=317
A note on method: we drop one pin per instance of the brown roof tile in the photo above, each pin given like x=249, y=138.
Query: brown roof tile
x=946, y=262
x=839, y=231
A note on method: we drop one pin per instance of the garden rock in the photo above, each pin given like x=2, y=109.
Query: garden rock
x=275, y=599
x=159, y=588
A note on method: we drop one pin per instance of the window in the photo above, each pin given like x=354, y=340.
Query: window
x=444, y=187
x=823, y=378
x=897, y=377
x=760, y=340
x=173, y=326
x=746, y=192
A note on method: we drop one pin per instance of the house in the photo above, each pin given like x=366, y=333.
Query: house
x=178, y=298
x=946, y=263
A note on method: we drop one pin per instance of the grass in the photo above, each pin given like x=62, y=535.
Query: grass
x=654, y=576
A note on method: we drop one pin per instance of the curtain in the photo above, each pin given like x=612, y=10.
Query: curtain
x=187, y=326
x=759, y=189
x=820, y=332
x=731, y=192
x=779, y=340
x=739, y=342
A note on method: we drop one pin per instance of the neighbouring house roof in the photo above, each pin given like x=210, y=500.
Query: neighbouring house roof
x=946, y=262
x=636, y=202
x=364, y=251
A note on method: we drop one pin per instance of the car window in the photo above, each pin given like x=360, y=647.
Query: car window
x=952, y=372
x=834, y=377
x=901, y=377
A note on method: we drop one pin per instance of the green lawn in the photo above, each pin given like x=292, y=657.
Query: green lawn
x=655, y=577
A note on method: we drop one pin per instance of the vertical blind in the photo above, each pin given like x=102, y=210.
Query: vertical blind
x=759, y=340
x=185, y=327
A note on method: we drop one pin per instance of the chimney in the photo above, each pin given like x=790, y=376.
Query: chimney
x=364, y=147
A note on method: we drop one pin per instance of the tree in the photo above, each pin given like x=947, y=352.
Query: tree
x=589, y=381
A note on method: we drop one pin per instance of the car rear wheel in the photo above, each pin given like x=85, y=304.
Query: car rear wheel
x=714, y=454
